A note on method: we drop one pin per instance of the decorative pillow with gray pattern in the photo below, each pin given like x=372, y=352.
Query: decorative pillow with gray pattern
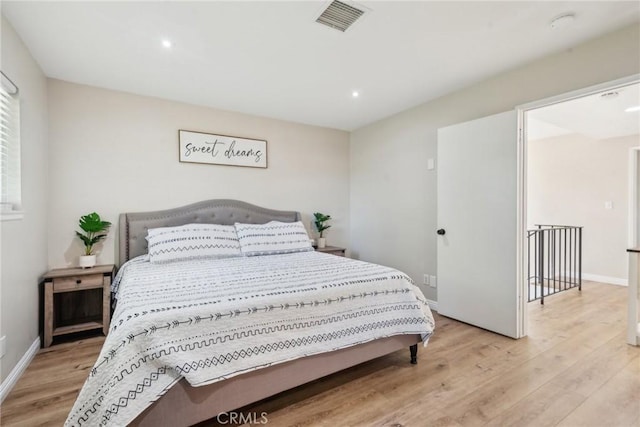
x=192, y=241
x=273, y=238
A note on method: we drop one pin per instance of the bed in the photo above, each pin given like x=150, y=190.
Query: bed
x=173, y=355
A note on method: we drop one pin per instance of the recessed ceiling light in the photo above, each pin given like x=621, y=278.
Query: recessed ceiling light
x=562, y=21
x=355, y=94
x=609, y=95
x=632, y=109
x=166, y=43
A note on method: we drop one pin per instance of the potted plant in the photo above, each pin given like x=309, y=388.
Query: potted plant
x=321, y=226
x=94, y=229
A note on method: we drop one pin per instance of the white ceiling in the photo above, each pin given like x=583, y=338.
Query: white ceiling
x=271, y=59
x=595, y=116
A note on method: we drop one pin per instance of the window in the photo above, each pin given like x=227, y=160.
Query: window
x=10, y=192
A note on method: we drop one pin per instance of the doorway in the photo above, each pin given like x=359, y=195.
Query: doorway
x=482, y=216
x=574, y=156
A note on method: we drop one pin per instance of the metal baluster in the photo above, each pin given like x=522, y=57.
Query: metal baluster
x=553, y=258
x=529, y=266
x=565, y=258
x=541, y=271
x=580, y=269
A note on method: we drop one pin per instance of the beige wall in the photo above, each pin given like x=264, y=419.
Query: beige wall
x=570, y=178
x=24, y=242
x=393, y=195
x=113, y=152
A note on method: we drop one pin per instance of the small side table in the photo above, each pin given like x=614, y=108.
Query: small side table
x=63, y=280
x=333, y=250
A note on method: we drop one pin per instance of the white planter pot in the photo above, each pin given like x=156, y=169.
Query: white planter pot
x=322, y=242
x=87, y=261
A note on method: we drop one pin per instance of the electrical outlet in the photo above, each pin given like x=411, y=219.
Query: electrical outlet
x=3, y=346
x=432, y=281
x=425, y=279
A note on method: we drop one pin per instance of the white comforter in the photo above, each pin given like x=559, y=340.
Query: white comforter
x=213, y=319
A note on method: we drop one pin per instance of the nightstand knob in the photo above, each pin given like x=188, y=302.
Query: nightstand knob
x=78, y=281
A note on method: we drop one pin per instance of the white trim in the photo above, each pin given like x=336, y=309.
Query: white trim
x=522, y=316
x=605, y=279
x=433, y=305
x=11, y=216
x=580, y=93
x=19, y=369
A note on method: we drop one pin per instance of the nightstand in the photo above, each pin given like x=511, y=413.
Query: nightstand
x=77, y=299
x=333, y=250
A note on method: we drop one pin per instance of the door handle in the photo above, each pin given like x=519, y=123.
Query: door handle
x=441, y=232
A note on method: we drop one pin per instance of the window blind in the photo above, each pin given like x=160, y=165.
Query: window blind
x=10, y=192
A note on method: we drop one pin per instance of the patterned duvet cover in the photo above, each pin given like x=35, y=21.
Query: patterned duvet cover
x=208, y=320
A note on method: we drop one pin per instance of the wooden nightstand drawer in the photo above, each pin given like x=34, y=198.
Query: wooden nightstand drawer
x=64, y=284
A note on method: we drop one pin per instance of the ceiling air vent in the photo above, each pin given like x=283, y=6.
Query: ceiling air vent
x=339, y=15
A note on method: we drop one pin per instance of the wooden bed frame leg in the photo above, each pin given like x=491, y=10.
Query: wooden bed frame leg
x=414, y=354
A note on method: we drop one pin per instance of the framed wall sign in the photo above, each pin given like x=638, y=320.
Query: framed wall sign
x=198, y=147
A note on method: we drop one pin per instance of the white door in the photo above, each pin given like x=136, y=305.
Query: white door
x=477, y=212
x=634, y=197
x=633, y=303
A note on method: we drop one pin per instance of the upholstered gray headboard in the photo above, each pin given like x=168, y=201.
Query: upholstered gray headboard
x=134, y=226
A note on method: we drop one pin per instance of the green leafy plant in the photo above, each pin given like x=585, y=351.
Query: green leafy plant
x=320, y=221
x=94, y=230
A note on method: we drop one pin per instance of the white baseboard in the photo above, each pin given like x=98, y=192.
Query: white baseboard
x=605, y=279
x=433, y=305
x=19, y=369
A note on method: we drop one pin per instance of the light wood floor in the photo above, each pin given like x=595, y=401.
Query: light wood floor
x=574, y=369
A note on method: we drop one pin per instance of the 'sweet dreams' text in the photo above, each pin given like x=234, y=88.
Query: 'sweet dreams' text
x=217, y=147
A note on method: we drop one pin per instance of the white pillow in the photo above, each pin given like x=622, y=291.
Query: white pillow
x=192, y=241
x=273, y=238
